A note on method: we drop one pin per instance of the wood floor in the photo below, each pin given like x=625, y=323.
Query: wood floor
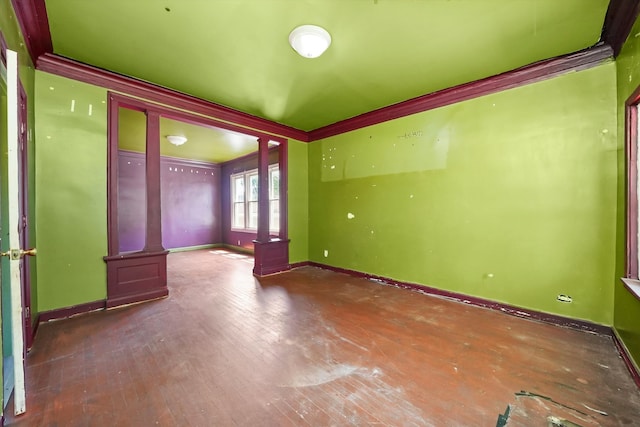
x=316, y=348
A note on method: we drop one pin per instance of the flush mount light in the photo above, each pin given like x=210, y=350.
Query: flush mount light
x=309, y=41
x=176, y=140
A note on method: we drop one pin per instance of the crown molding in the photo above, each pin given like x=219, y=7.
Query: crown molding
x=33, y=20
x=65, y=67
x=618, y=22
x=539, y=71
x=34, y=24
x=536, y=72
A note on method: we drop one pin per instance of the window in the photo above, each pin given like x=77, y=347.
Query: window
x=274, y=199
x=244, y=196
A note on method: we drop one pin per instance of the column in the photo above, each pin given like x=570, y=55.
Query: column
x=263, y=188
x=153, y=241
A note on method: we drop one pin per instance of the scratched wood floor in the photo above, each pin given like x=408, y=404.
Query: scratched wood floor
x=315, y=348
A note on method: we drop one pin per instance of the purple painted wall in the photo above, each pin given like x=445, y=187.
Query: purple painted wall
x=191, y=202
x=132, y=212
x=242, y=164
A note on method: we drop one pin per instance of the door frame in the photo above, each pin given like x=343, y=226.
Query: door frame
x=23, y=194
x=13, y=178
x=140, y=276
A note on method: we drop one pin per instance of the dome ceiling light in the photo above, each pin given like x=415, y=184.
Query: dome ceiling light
x=309, y=41
x=176, y=140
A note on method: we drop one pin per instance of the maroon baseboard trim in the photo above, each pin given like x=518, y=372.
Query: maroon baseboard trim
x=626, y=357
x=270, y=271
x=536, y=72
x=618, y=22
x=34, y=330
x=300, y=264
x=96, y=76
x=65, y=312
x=478, y=302
x=137, y=298
x=34, y=24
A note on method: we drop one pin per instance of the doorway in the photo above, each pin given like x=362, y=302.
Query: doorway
x=137, y=272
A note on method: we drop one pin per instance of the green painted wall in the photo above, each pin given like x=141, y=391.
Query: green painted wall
x=509, y=197
x=71, y=179
x=627, y=307
x=72, y=201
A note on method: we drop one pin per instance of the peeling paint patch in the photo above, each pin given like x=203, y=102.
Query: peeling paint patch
x=350, y=215
x=326, y=253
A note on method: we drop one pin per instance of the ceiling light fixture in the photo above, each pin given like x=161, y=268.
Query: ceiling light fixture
x=176, y=140
x=309, y=41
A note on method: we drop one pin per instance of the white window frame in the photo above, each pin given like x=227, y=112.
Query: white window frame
x=274, y=226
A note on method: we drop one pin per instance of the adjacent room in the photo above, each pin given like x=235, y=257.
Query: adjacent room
x=320, y=212
x=208, y=185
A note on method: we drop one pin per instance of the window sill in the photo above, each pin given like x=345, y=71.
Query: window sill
x=244, y=230
x=250, y=231
x=632, y=286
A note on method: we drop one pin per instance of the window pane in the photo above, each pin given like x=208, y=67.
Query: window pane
x=253, y=215
x=253, y=188
x=238, y=215
x=274, y=184
x=274, y=215
x=238, y=189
